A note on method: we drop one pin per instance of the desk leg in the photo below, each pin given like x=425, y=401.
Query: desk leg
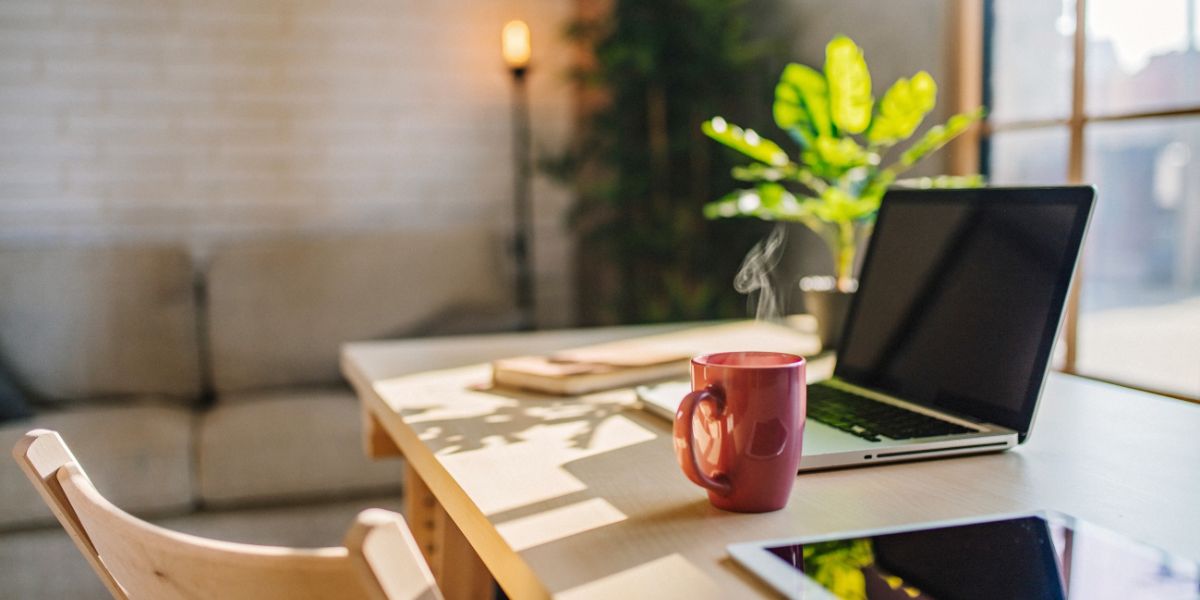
x=376, y=441
x=456, y=567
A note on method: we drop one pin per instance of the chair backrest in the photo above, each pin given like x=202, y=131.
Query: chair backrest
x=135, y=559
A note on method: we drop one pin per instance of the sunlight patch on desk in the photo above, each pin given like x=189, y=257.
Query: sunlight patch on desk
x=671, y=576
x=617, y=432
x=558, y=523
x=527, y=467
x=498, y=488
x=413, y=402
x=572, y=432
x=559, y=411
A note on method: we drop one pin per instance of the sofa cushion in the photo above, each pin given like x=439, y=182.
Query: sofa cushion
x=86, y=323
x=279, y=309
x=139, y=457
x=44, y=563
x=265, y=447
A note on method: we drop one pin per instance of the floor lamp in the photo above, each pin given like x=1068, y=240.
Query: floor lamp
x=516, y=49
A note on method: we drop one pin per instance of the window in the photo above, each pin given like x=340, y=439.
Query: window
x=1107, y=92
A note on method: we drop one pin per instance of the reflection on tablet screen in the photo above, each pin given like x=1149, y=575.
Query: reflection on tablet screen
x=1026, y=558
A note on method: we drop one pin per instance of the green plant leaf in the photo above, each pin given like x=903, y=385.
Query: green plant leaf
x=842, y=152
x=837, y=206
x=776, y=200
x=746, y=141
x=849, y=85
x=831, y=157
x=902, y=109
x=768, y=201
x=802, y=103
x=877, y=186
x=939, y=136
x=761, y=172
x=726, y=206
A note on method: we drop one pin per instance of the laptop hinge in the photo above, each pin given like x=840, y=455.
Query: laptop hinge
x=940, y=450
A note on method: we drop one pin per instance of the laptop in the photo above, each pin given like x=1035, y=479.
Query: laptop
x=949, y=336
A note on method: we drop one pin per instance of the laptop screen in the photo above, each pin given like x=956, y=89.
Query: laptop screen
x=960, y=297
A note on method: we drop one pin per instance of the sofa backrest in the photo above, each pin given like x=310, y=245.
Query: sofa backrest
x=279, y=310
x=82, y=323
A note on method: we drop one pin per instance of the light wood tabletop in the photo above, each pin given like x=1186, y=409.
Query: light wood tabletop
x=581, y=497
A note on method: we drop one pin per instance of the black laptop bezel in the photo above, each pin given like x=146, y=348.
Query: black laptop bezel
x=1082, y=197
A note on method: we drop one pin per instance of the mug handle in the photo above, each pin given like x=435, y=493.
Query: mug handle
x=685, y=440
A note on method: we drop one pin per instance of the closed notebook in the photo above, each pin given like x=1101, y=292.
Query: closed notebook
x=642, y=360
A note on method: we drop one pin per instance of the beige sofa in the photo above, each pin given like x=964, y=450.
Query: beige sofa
x=205, y=394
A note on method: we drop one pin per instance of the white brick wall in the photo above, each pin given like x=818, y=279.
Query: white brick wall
x=196, y=120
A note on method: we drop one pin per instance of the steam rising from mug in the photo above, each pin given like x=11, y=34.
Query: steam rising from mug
x=754, y=276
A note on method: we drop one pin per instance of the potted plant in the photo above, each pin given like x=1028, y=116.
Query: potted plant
x=839, y=176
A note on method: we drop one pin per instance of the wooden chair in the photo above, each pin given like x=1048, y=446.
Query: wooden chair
x=136, y=559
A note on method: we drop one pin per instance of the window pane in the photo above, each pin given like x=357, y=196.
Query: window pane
x=1142, y=57
x=1031, y=59
x=1033, y=156
x=1140, y=314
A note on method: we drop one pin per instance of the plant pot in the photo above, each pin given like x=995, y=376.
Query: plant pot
x=829, y=307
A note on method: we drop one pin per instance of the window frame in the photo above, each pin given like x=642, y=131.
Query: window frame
x=970, y=62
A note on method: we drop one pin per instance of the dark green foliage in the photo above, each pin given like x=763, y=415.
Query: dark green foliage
x=643, y=169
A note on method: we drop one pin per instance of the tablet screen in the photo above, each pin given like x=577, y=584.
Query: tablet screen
x=1026, y=557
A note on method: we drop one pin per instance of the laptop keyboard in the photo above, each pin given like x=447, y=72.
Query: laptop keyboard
x=871, y=420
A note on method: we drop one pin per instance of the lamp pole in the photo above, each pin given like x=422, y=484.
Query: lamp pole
x=516, y=50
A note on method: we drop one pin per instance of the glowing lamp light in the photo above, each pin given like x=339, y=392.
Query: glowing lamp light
x=515, y=46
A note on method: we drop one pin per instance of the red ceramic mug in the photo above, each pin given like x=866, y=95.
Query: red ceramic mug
x=751, y=409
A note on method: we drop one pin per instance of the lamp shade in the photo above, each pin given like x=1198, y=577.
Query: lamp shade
x=514, y=44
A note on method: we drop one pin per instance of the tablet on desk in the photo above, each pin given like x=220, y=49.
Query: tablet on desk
x=1030, y=556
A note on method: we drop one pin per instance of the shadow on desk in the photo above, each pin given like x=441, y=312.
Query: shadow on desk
x=509, y=418
x=560, y=477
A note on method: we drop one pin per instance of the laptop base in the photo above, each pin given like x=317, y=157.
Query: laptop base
x=828, y=448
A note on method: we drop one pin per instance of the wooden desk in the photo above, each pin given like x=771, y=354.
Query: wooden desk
x=581, y=497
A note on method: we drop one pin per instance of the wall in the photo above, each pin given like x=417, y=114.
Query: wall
x=201, y=120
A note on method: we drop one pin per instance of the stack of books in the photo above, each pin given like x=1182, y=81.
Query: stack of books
x=647, y=359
